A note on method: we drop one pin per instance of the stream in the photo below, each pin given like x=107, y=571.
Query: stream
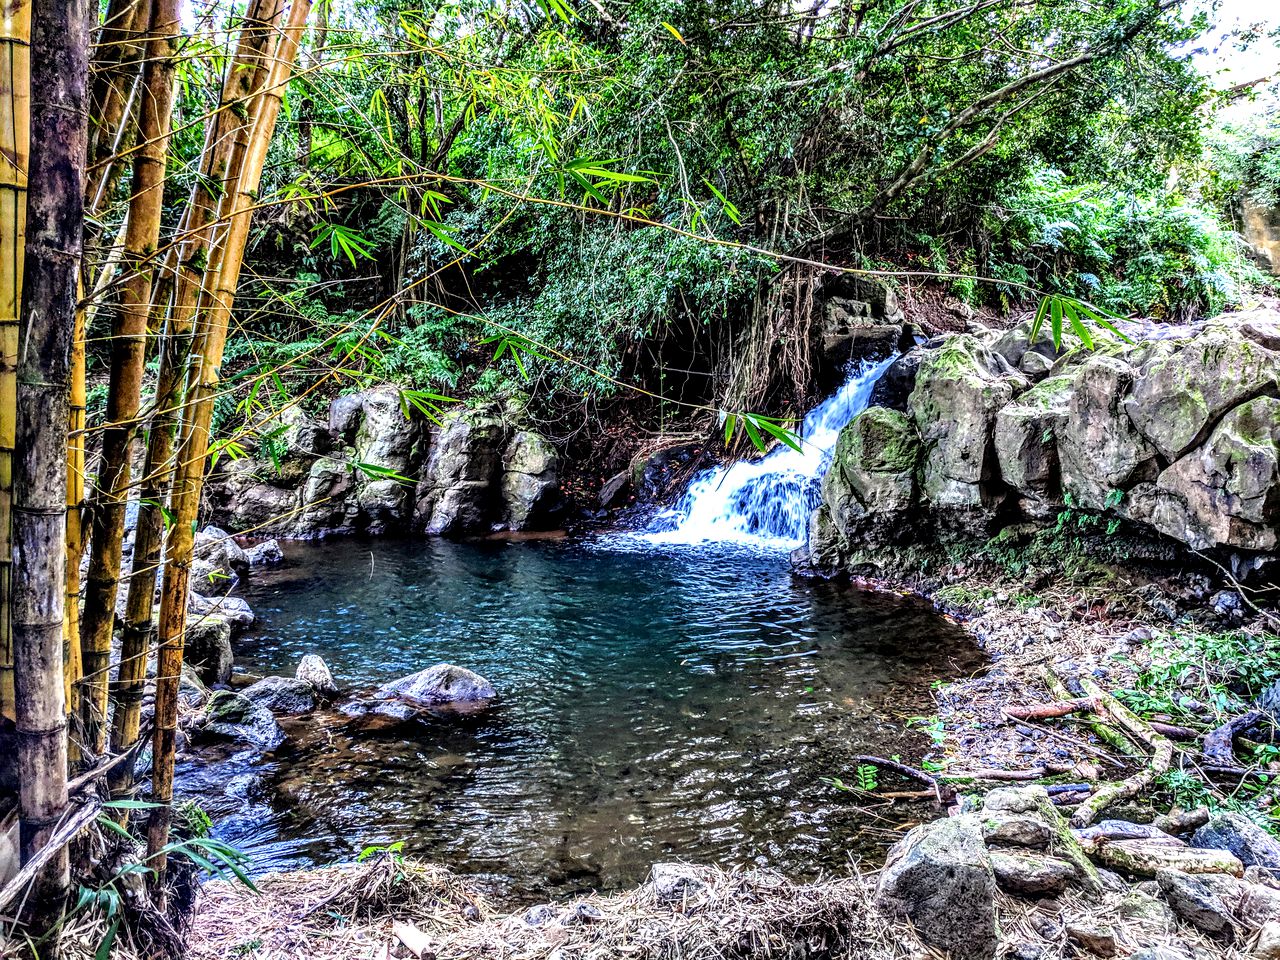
x=668, y=695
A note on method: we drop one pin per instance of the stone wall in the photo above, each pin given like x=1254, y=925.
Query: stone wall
x=1177, y=433
x=375, y=468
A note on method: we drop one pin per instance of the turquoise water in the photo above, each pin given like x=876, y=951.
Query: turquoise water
x=654, y=704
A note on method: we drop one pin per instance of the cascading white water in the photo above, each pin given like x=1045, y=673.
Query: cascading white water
x=767, y=502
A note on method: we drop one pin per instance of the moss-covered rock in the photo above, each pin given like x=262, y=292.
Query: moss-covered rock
x=959, y=390
x=1026, y=441
x=1184, y=386
x=1225, y=493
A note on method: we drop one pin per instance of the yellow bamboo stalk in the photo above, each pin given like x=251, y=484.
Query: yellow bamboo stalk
x=219, y=154
x=72, y=668
x=202, y=386
x=128, y=356
x=15, y=118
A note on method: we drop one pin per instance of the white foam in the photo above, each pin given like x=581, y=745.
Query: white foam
x=766, y=503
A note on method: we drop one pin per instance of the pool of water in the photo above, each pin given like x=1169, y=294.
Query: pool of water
x=654, y=703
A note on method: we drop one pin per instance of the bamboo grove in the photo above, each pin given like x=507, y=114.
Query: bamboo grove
x=141, y=161
x=173, y=298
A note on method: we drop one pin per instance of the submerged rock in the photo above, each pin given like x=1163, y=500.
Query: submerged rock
x=287, y=695
x=441, y=685
x=265, y=554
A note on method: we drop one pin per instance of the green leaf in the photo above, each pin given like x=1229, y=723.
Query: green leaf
x=730, y=421
x=779, y=432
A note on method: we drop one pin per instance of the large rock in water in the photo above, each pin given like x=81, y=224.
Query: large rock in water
x=457, y=495
x=441, y=685
x=870, y=484
x=208, y=648
x=230, y=716
x=1225, y=493
x=530, y=481
x=1185, y=386
x=1100, y=451
x=940, y=877
x=286, y=695
x=959, y=390
x=386, y=439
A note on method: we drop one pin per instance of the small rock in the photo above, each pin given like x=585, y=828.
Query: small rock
x=1205, y=901
x=1017, y=830
x=615, y=489
x=1139, y=636
x=1097, y=938
x=541, y=915
x=1267, y=944
x=1160, y=953
x=1023, y=950
x=1238, y=835
x=314, y=671
x=676, y=882
x=265, y=554
x=1030, y=874
x=1144, y=909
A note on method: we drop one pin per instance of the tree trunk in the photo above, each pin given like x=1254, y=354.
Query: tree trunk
x=128, y=355
x=55, y=211
x=15, y=109
x=202, y=383
x=220, y=154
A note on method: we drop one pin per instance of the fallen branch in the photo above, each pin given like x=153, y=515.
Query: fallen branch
x=66, y=832
x=1047, y=711
x=941, y=791
x=1105, y=733
x=1161, y=757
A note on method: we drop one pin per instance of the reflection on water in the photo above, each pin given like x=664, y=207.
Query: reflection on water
x=652, y=705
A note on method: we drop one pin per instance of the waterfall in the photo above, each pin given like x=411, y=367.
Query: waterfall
x=767, y=502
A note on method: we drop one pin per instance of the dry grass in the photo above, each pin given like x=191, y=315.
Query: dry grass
x=385, y=908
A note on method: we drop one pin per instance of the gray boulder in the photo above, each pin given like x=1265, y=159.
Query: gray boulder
x=1100, y=451
x=1184, y=386
x=217, y=547
x=959, y=390
x=1026, y=434
x=1030, y=874
x=314, y=671
x=457, y=495
x=208, y=648
x=440, y=685
x=1207, y=901
x=324, y=501
x=530, y=481
x=940, y=877
x=285, y=695
x=1239, y=835
x=1225, y=493
x=265, y=554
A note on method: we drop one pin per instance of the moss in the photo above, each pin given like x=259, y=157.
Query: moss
x=880, y=440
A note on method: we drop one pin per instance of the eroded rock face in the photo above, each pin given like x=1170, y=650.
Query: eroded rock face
x=376, y=468
x=457, y=494
x=208, y=648
x=1185, y=386
x=1100, y=451
x=1026, y=441
x=959, y=390
x=1226, y=492
x=871, y=481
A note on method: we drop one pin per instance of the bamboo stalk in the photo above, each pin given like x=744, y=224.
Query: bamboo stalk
x=15, y=66
x=55, y=211
x=219, y=154
x=72, y=663
x=202, y=383
x=117, y=53
x=128, y=357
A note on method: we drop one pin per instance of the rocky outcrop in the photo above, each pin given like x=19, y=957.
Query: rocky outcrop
x=1179, y=436
x=959, y=390
x=380, y=465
